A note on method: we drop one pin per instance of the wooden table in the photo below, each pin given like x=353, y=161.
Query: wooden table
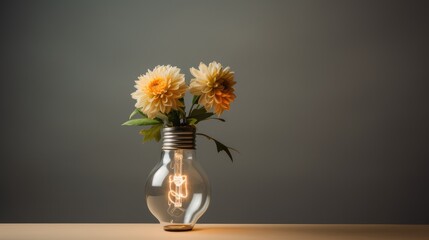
x=212, y=231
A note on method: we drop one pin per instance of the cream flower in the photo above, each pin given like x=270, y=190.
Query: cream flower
x=159, y=90
x=215, y=86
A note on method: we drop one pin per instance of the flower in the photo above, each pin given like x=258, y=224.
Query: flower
x=215, y=86
x=159, y=90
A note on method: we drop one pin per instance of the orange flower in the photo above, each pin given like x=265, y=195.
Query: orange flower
x=215, y=86
x=159, y=90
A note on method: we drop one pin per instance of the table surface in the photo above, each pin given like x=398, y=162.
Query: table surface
x=213, y=231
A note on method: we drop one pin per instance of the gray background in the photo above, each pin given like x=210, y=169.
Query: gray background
x=331, y=117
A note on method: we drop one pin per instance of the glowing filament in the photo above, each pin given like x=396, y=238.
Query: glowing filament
x=178, y=183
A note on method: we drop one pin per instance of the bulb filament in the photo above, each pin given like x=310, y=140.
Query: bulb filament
x=178, y=183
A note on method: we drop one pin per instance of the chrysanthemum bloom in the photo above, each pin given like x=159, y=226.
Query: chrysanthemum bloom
x=159, y=90
x=215, y=86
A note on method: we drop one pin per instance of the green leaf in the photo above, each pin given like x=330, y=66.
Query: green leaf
x=200, y=114
x=192, y=121
x=220, y=146
x=198, y=111
x=137, y=111
x=195, y=99
x=162, y=117
x=174, y=117
x=204, y=116
x=141, y=122
x=153, y=133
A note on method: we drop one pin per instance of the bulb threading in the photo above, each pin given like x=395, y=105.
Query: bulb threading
x=182, y=137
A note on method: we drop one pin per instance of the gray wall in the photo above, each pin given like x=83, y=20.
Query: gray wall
x=331, y=117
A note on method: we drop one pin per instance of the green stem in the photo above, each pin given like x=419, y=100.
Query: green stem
x=190, y=110
x=195, y=99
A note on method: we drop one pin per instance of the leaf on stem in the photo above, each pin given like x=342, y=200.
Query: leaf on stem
x=198, y=111
x=153, y=133
x=135, y=112
x=200, y=114
x=162, y=117
x=174, y=117
x=195, y=99
x=141, y=122
x=220, y=146
x=191, y=121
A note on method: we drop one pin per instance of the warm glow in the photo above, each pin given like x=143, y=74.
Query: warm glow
x=178, y=183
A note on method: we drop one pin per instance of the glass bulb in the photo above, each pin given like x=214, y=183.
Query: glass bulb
x=177, y=189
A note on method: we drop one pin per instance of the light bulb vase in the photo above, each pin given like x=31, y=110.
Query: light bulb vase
x=177, y=189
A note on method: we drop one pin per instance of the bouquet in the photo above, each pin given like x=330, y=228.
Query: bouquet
x=160, y=99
